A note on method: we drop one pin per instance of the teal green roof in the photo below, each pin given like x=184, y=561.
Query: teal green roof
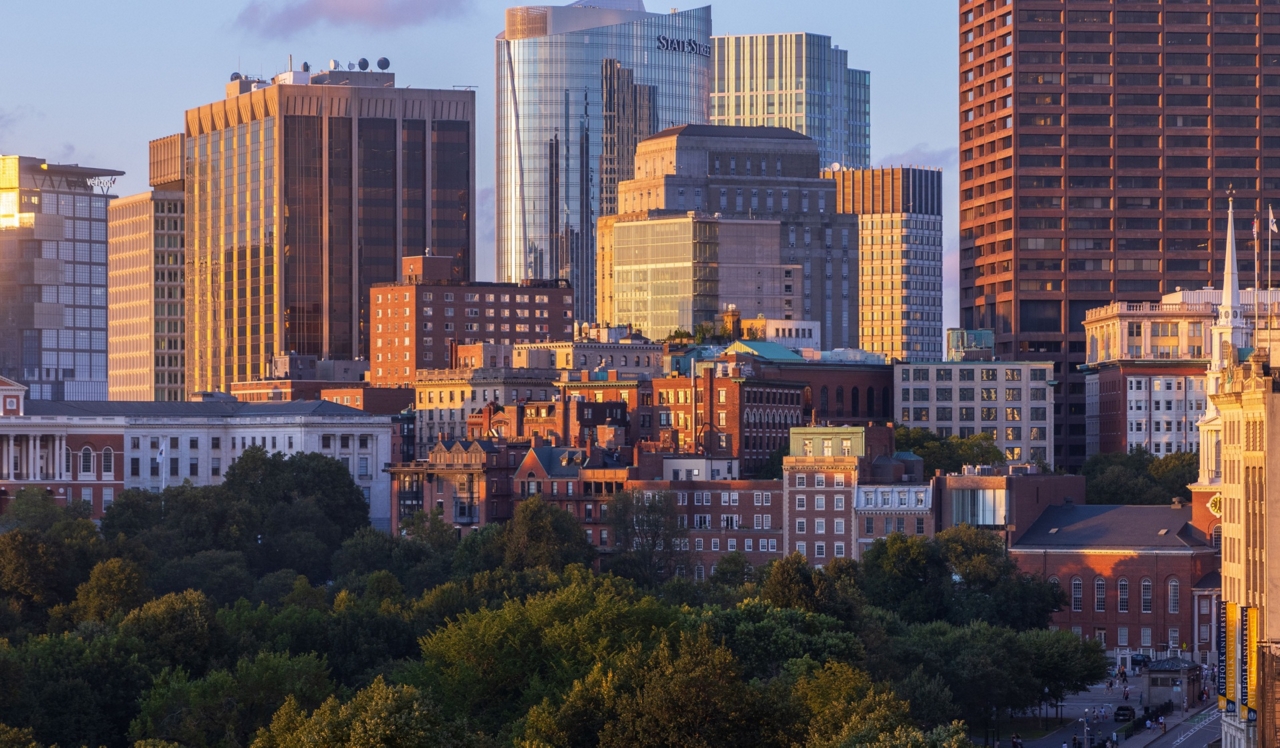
x=771, y=351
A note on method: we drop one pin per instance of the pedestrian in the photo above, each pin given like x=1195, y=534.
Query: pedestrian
x=1148, y=725
x=1064, y=744
x=1162, y=726
x=1126, y=693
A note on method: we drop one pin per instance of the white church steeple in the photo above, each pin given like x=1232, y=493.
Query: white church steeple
x=1231, y=330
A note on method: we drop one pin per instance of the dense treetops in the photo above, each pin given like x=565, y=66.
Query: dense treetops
x=265, y=612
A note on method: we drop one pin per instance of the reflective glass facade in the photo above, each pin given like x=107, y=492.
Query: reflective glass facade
x=577, y=88
x=798, y=81
x=300, y=198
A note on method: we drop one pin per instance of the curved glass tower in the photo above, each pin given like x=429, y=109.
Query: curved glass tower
x=577, y=87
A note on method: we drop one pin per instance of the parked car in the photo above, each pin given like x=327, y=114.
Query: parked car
x=1125, y=714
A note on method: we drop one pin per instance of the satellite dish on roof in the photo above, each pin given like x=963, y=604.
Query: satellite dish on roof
x=835, y=166
x=333, y=65
x=363, y=64
x=235, y=77
x=383, y=63
x=351, y=66
x=306, y=67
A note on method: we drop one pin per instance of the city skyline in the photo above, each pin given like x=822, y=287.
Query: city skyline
x=912, y=104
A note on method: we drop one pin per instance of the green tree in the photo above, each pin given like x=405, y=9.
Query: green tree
x=949, y=454
x=1175, y=472
x=907, y=575
x=732, y=570
x=689, y=694
x=30, y=568
x=1138, y=477
x=989, y=586
x=379, y=716
x=789, y=584
x=115, y=587
x=178, y=630
x=649, y=536
x=32, y=509
x=764, y=638
x=226, y=708
x=1062, y=662
x=543, y=535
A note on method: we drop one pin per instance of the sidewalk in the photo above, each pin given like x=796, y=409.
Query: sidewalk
x=1074, y=706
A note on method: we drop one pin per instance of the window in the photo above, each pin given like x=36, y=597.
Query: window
x=108, y=461
x=134, y=469
x=1122, y=636
x=1077, y=595
x=800, y=502
x=1175, y=602
x=870, y=526
x=800, y=548
x=1099, y=595
x=1175, y=639
x=1145, y=639
x=1122, y=595
x=1146, y=598
x=86, y=461
x=800, y=525
x=108, y=497
x=215, y=466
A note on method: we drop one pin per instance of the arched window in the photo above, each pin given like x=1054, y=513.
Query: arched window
x=853, y=402
x=1175, y=599
x=86, y=461
x=67, y=454
x=886, y=403
x=1077, y=595
x=1122, y=595
x=871, y=402
x=624, y=360
x=1146, y=596
x=822, y=401
x=1217, y=536
x=840, y=402
x=1099, y=595
x=108, y=460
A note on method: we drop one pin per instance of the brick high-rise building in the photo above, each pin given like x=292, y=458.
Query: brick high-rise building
x=1095, y=140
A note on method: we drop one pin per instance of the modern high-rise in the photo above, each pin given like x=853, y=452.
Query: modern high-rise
x=765, y=174
x=899, y=212
x=1095, y=140
x=146, y=288
x=800, y=81
x=53, y=277
x=304, y=191
x=578, y=87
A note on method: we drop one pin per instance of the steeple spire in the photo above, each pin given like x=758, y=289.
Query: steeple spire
x=1231, y=274
x=1230, y=331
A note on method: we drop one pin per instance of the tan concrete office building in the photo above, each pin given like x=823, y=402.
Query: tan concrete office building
x=677, y=273
x=301, y=193
x=146, y=269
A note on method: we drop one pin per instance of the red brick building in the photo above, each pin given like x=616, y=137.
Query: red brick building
x=837, y=392
x=1139, y=579
x=725, y=516
x=580, y=481
x=470, y=482
x=416, y=322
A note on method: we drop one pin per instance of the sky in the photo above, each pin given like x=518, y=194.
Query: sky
x=121, y=74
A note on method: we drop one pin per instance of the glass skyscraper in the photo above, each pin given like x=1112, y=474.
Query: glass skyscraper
x=798, y=81
x=53, y=277
x=578, y=87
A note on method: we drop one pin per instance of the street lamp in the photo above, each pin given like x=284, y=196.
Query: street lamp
x=1085, y=721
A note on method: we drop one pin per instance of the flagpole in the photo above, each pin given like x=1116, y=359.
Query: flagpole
x=1257, y=289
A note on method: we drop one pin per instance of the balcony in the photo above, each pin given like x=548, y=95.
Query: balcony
x=465, y=513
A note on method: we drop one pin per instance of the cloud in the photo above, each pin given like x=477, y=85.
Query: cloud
x=921, y=154
x=284, y=18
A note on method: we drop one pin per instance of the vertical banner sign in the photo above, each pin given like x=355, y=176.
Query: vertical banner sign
x=1250, y=667
x=1232, y=673
x=1243, y=638
x=1222, y=655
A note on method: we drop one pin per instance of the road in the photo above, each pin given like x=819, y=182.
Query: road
x=1196, y=732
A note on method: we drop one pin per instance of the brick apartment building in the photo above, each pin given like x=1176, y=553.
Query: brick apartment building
x=469, y=481
x=417, y=322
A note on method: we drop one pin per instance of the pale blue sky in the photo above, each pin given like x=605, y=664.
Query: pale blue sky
x=92, y=82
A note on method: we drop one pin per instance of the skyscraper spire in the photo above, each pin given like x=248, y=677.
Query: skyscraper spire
x=1231, y=274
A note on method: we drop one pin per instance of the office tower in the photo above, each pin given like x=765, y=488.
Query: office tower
x=53, y=277
x=1094, y=142
x=682, y=272
x=304, y=191
x=146, y=265
x=769, y=174
x=799, y=81
x=577, y=88
x=899, y=214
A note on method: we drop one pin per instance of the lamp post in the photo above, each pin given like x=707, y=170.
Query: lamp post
x=1085, y=721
